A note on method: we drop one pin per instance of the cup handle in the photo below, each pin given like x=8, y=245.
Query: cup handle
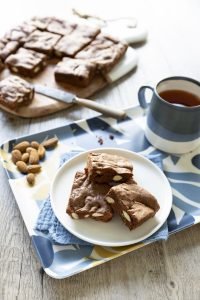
x=141, y=96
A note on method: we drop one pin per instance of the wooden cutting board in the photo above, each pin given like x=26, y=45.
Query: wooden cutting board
x=42, y=105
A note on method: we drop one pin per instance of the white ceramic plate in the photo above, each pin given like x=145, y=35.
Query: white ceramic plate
x=113, y=233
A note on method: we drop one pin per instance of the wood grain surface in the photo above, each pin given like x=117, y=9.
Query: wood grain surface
x=163, y=270
x=42, y=105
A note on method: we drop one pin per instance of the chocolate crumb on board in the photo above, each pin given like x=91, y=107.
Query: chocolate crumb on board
x=111, y=137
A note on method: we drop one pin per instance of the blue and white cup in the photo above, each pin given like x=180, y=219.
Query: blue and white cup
x=170, y=127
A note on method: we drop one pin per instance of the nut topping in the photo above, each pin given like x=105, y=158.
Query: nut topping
x=126, y=216
x=75, y=216
x=117, y=178
x=110, y=200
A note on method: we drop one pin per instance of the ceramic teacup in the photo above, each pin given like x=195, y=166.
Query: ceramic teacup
x=173, y=115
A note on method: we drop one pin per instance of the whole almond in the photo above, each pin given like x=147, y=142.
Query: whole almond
x=29, y=149
x=16, y=156
x=25, y=157
x=35, y=144
x=22, y=166
x=30, y=178
x=117, y=178
x=33, y=168
x=33, y=157
x=50, y=143
x=41, y=151
x=22, y=146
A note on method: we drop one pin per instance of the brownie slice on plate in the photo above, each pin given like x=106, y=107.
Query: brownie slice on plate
x=75, y=71
x=104, y=168
x=15, y=92
x=133, y=203
x=87, y=200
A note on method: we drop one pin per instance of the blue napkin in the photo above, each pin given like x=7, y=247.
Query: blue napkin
x=48, y=224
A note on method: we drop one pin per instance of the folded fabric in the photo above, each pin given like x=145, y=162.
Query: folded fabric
x=48, y=224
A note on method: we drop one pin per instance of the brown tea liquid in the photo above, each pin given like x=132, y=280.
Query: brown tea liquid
x=180, y=97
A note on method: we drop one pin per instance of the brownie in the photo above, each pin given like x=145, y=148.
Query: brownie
x=27, y=27
x=40, y=22
x=15, y=92
x=42, y=41
x=1, y=65
x=104, y=168
x=133, y=203
x=2, y=44
x=87, y=200
x=71, y=43
x=3, y=41
x=26, y=62
x=20, y=33
x=105, y=51
x=86, y=31
x=8, y=48
x=75, y=71
x=60, y=26
x=16, y=34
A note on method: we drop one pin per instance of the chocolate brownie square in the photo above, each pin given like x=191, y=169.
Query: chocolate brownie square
x=60, y=26
x=87, y=31
x=20, y=33
x=87, y=200
x=104, y=168
x=27, y=27
x=2, y=44
x=15, y=92
x=71, y=43
x=42, y=41
x=15, y=34
x=75, y=71
x=40, y=22
x=133, y=203
x=26, y=62
x=104, y=51
x=8, y=48
x=1, y=65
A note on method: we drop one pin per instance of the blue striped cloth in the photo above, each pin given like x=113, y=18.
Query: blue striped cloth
x=48, y=224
